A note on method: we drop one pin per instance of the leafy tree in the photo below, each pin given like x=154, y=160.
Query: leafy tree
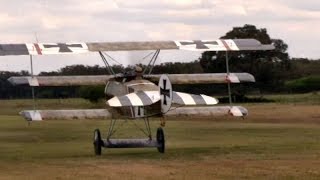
x=9, y=91
x=304, y=67
x=178, y=68
x=92, y=93
x=269, y=67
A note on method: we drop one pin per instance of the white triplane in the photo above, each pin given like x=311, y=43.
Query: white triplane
x=136, y=94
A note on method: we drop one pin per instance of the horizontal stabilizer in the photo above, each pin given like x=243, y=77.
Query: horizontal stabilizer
x=205, y=78
x=83, y=47
x=39, y=115
x=210, y=111
x=140, y=98
x=146, y=98
x=192, y=99
x=59, y=80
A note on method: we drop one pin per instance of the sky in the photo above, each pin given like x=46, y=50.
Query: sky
x=294, y=21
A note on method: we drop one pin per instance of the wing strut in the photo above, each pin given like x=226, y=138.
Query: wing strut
x=110, y=70
x=153, y=61
x=32, y=87
x=33, y=91
x=34, y=83
x=228, y=74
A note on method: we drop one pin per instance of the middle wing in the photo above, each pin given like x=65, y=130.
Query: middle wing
x=204, y=78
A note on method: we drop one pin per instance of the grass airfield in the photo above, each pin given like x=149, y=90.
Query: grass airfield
x=276, y=141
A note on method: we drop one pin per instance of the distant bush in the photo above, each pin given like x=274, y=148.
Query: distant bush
x=305, y=84
x=92, y=93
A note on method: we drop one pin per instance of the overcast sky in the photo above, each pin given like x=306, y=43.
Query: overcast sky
x=296, y=22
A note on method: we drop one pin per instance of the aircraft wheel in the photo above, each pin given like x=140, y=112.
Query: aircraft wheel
x=160, y=140
x=97, y=142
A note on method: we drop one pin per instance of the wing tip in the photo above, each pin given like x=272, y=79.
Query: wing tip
x=238, y=111
x=31, y=115
x=209, y=100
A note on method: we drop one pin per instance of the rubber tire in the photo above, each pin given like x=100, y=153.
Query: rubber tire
x=160, y=140
x=97, y=142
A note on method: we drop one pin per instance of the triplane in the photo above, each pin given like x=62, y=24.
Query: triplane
x=134, y=94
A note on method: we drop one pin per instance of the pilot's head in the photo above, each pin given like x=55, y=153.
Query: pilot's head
x=138, y=71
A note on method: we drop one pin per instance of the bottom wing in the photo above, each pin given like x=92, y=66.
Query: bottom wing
x=210, y=111
x=39, y=115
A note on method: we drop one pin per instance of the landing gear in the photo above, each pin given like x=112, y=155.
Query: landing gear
x=97, y=142
x=160, y=140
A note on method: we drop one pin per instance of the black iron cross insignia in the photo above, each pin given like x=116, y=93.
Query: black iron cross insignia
x=199, y=44
x=165, y=92
x=63, y=47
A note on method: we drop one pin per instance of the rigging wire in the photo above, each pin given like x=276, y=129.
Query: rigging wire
x=104, y=53
x=110, y=70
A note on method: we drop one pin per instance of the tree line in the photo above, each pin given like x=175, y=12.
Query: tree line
x=275, y=71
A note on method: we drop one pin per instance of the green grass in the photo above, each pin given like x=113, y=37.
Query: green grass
x=68, y=144
x=13, y=107
x=306, y=98
x=276, y=141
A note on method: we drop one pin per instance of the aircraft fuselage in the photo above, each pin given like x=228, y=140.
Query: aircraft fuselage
x=119, y=88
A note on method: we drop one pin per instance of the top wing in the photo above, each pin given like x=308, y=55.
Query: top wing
x=60, y=80
x=82, y=47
